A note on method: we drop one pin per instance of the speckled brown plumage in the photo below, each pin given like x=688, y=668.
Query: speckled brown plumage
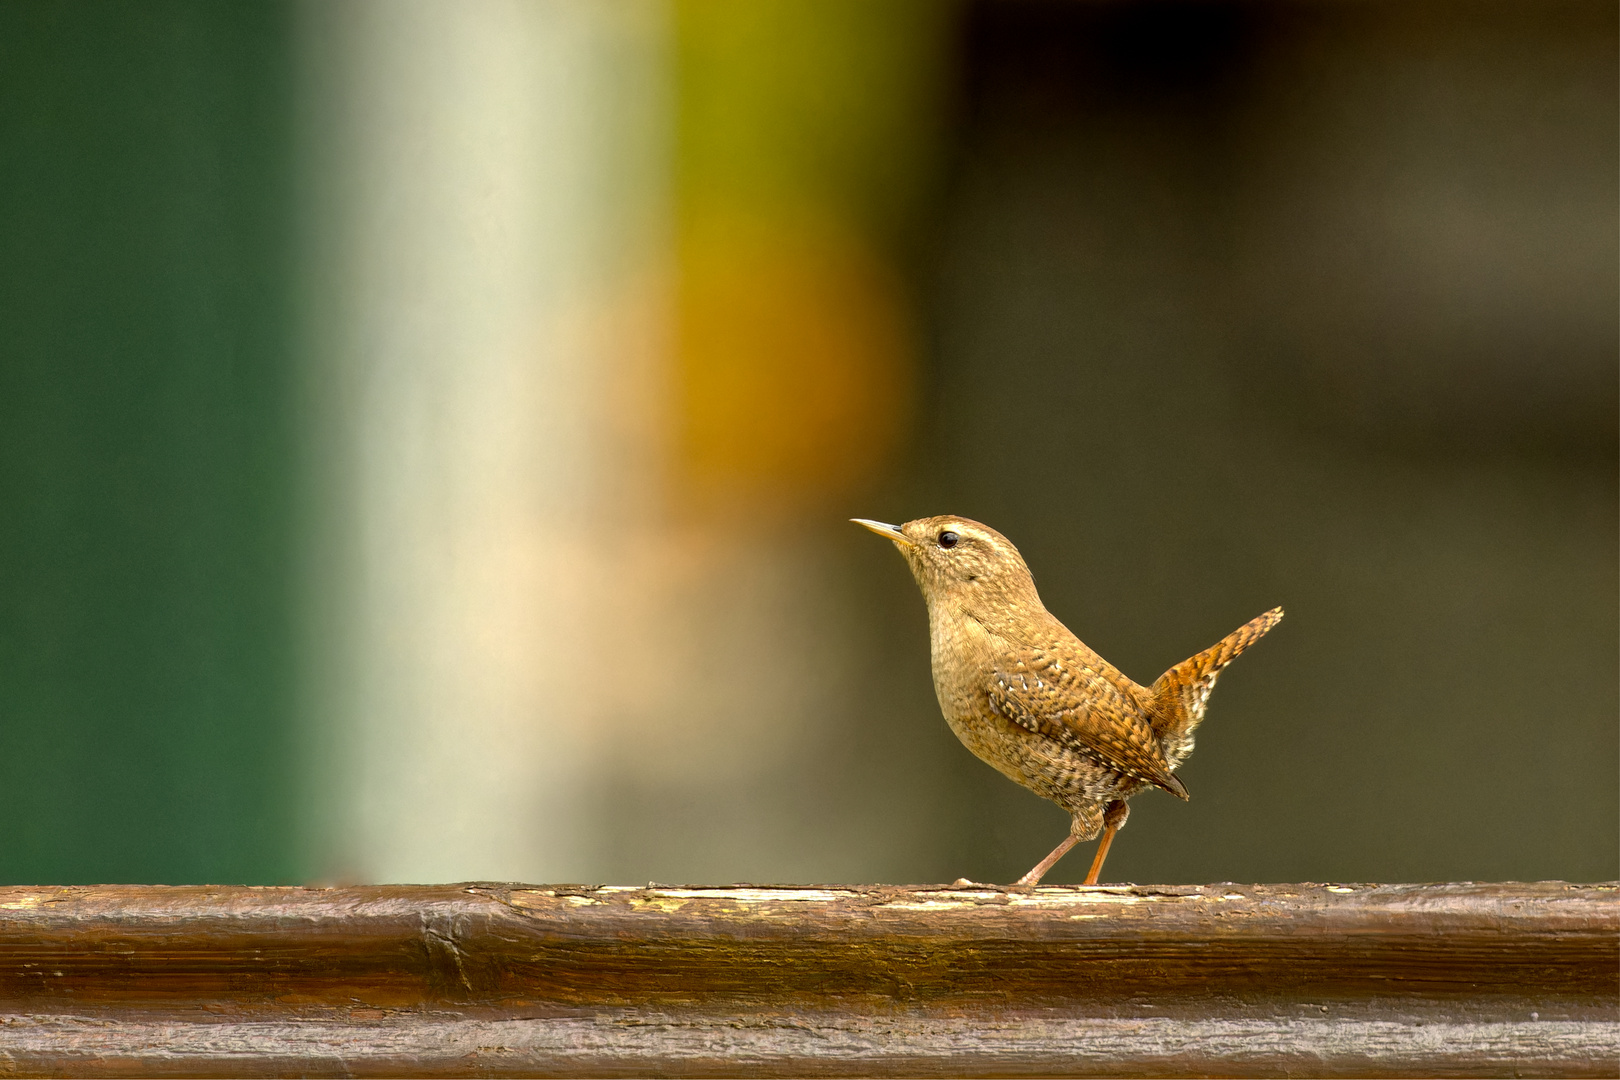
x=1029, y=698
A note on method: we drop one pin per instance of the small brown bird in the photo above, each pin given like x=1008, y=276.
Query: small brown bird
x=1029, y=698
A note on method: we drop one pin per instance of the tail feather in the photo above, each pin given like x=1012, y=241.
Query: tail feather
x=1181, y=694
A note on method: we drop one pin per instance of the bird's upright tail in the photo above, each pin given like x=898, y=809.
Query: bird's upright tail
x=1181, y=694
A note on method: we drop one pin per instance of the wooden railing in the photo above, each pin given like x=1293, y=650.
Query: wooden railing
x=491, y=979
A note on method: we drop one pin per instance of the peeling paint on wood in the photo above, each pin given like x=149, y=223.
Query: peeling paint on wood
x=497, y=980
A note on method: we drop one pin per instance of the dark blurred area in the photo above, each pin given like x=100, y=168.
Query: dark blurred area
x=1210, y=307
x=1314, y=305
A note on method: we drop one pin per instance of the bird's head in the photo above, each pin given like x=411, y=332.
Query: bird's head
x=963, y=564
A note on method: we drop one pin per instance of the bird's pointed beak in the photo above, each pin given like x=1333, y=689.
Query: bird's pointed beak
x=892, y=532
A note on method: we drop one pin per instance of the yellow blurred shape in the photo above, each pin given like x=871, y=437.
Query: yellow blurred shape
x=795, y=360
x=806, y=133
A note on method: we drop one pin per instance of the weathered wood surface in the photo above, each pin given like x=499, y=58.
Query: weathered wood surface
x=496, y=980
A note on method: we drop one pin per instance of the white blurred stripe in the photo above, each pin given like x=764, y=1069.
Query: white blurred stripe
x=491, y=181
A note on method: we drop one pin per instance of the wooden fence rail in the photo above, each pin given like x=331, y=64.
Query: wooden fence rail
x=496, y=980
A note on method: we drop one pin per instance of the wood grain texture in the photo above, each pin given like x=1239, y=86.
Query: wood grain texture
x=506, y=980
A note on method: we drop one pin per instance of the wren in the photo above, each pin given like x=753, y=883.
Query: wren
x=1031, y=700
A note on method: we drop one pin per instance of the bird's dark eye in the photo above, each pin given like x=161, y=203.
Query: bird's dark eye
x=948, y=539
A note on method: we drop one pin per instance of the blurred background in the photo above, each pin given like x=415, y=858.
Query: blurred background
x=427, y=430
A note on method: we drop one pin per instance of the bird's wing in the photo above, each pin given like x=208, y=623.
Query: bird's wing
x=1066, y=696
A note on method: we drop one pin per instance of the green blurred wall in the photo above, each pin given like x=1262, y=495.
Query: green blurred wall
x=146, y=409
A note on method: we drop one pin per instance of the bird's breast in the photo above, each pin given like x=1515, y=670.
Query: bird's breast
x=964, y=663
x=962, y=653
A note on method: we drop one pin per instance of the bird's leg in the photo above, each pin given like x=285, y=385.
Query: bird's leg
x=1113, y=818
x=1083, y=826
x=1035, y=875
